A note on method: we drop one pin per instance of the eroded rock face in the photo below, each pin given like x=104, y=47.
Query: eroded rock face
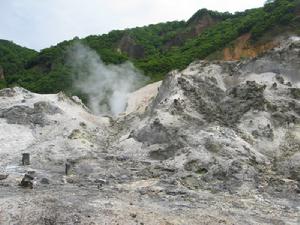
x=25, y=115
x=127, y=45
x=224, y=126
x=217, y=137
x=197, y=25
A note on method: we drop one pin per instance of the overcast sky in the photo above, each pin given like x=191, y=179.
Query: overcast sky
x=41, y=23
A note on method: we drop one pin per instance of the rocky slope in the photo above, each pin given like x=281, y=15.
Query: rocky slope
x=242, y=48
x=217, y=144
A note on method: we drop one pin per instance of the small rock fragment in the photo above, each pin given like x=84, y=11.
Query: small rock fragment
x=45, y=181
x=133, y=215
x=27, y=181
x=274, y=86
x=3, y=176
x=100, y=183
x=289, y=84
x=83, y=125
x=279, y=79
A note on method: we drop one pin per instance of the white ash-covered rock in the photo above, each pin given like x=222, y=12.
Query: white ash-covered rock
x=216, y=143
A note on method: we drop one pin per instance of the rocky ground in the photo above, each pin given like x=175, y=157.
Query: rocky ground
x=217, y=144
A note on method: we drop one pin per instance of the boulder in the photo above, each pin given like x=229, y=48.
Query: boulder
x=27, y=181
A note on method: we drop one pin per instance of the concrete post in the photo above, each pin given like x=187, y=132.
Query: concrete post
x=25, y=159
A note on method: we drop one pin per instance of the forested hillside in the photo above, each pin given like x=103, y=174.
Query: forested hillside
x=154, y=49
x=13, y=59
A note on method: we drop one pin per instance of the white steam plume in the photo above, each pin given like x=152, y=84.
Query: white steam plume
x=106, y=86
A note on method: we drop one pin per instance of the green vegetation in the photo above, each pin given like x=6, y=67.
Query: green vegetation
x=13, y=58
x=154, y=49
x=2, y=84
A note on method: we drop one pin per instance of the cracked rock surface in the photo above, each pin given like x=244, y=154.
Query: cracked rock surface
x=218, y=143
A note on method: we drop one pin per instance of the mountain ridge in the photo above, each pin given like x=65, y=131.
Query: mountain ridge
x=160, y=48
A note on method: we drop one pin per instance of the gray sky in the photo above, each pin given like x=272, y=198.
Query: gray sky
x=41, y=23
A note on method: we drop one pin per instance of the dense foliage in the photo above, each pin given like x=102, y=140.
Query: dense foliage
x=160, y=47
x=13, y=58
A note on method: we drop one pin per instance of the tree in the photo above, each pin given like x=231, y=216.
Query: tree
x=269, y=1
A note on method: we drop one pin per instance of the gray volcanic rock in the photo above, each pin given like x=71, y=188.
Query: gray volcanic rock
x=218, y=144
x=21, y=114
